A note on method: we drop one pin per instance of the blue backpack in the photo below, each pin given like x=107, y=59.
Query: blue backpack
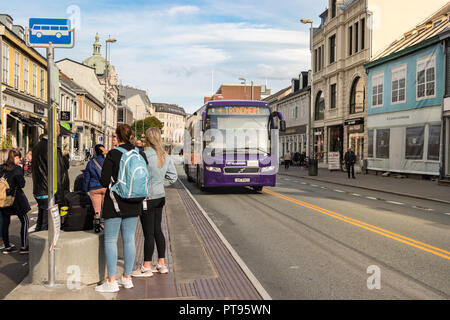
x=133, y=177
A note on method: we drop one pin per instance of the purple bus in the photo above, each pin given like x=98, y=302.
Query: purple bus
x=232, y=144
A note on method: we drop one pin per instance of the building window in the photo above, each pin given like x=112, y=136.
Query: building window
x=370, y=144
x=5, y=58
x=332, y=41
x=363, y=33
x=356, y=37
x=333, y=96
x=75, y=110
x=434, y=140
x=320, y=58
x=333, y=9
x=350, y=40
x=357, y=96
x=315, y=60
x=320, y=106
x=383, y=136
x=25, y=75
x=43, y=83
x=34, y=80
x=414, y=143
x=377, y=90
x=16, y=69
x=426, y=77
x=398, y=86
x=120, y=115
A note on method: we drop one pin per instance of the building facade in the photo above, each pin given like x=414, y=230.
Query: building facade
x=173, y=118
x=238, y=92
x=68, y=112
x=445, y=149
x=350, y=33
x=23, y=88
x=137, y=101
x=406, y=93
x=124, y=113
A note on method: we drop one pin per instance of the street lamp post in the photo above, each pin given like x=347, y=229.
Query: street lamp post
x=106, y=86
x=310, y=136
x=245, y=87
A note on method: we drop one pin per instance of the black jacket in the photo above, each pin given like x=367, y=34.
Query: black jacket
x=16, y=182
x=40, y=171
x=349, y=158
x=111, y=169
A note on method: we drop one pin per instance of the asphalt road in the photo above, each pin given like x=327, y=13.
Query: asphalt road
x=313, y=240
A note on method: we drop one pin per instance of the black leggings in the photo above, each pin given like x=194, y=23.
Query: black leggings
x=151, y=225
x=23, y=229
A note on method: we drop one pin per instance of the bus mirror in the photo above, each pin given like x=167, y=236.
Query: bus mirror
x=203, y=125
x=282, y=126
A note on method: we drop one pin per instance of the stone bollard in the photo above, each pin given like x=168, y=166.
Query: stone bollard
x=79, y=257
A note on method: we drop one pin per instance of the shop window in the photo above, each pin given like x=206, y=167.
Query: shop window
x=426, y=77
x=357, y=96
x=383, y=137
x=414, y=143
x=398, y=93
x=319, y=106
x=370, y=144
x=434, y=139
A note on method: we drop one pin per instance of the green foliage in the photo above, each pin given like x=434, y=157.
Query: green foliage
x=139, y=127
x=6, y=142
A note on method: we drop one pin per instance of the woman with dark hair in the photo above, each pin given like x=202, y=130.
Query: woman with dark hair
x=92, y=183
x=125, y=220
x=13, y=173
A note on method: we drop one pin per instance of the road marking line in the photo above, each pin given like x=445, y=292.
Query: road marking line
x=395, y=202
x=304, y=183
x=371, y=198
x=403, y=239
x=356, y=195
x=447, y=214
x=314, y=185
x=339, y=191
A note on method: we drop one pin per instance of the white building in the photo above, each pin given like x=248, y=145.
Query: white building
x=173, y=118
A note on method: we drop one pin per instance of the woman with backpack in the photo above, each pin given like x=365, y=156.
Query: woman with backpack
x=92, y=184
x=124, y=219
x=13, y=173
x=160, y=167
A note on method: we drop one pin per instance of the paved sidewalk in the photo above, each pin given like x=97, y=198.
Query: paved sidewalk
x=416, y=188
x=202, y=265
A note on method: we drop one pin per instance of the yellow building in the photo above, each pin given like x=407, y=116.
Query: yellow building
x=23, y=88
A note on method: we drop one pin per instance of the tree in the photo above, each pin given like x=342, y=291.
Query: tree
x=139, y=127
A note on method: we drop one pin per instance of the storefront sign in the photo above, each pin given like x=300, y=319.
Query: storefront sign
x=38, y=109
x=65, y=116
x=358, y=128
x=354, y=121
x=334, y=161
x=294, y=130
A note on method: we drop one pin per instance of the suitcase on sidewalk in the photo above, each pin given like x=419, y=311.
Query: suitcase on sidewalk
x=80, y=216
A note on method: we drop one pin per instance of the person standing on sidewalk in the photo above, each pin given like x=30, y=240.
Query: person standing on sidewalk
x=3, y=157
x=13, y=173
x=350, y=159
x=39, y=170
x=287, y=160
x=160, y=167
x=92, y=184
x=125, y=220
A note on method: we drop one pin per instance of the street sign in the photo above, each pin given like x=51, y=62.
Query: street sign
x=65, y=116
x=57, y=31
x=100, y=139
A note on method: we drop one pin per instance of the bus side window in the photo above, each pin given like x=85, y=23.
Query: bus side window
x=54, y=28
x=45, y=28
x=35, y=27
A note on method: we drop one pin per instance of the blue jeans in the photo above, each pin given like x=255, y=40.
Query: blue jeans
x=128, y=228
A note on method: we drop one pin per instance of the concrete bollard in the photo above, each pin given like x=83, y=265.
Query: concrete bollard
x=79, y=257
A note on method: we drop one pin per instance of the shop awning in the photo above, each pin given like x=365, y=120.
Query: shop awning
x=29, y=121
x=65, y=129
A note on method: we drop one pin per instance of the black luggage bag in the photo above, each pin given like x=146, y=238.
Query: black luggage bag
x=80, y=216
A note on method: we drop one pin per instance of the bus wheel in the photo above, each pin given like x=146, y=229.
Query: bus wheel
x=257, y=189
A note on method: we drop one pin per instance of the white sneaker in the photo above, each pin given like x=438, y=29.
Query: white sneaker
x=142, y=272
x=127, y=283
x=160, y=268
x=108, y=287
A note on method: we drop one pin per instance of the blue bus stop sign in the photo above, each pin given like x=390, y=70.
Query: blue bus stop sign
x=57, y=31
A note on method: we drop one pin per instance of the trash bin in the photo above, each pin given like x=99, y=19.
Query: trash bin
x=312, y=167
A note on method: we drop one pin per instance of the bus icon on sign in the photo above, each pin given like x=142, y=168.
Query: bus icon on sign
x=57, y=31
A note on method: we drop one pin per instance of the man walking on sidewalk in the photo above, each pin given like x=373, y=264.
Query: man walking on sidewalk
x=350, y=159
x=287, y=160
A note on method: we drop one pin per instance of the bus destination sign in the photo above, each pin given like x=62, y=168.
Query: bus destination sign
x=238, y=110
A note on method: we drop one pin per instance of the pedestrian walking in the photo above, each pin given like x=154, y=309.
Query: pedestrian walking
x=13, y=173
x=287, y=160
x=40, y=178
x=350, y=159
x=161, y=168
x=124, y=219
x=92, y=184
x=3, y=158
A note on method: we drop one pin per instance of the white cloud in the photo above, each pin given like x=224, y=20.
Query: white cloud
x=186, y=10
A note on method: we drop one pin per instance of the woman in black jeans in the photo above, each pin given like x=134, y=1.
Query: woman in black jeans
x=13, y=173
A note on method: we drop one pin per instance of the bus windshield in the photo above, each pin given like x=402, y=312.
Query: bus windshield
x=238, y=130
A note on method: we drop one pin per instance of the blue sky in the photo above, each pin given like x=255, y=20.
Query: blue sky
x=171, y=48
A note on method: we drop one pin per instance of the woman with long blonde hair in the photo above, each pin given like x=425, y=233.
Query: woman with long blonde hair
x=160, y=167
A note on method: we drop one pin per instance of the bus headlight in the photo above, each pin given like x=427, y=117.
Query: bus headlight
x=214, y=169
x=267, y=169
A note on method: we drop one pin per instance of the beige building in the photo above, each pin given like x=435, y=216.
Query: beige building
x=137, y=101
x=173, y=118
x=350, y=33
